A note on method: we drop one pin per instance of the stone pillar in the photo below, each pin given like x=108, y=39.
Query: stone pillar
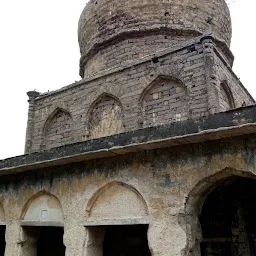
x=19, y=241
x=12, y=235
x=240, y=239
x=211, y=76
x=28, y=241
x=166, y=236
x=191, y=224
x=94, y=241
x=74, y=238
x=30, y=123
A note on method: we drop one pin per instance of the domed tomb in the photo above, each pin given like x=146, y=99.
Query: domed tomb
x=125, y=30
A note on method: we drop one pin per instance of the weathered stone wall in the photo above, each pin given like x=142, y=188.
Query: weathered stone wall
x=166, y=187
x=105, y=117
x=234, y=88
x=103, y=22
x=58, y=129
x=175, y=85
x=127, y=86
x=129, y=49
x=165, y=100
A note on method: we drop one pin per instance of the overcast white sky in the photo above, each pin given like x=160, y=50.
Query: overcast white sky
x=39, y=50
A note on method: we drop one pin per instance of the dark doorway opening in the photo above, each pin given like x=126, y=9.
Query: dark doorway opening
x=50, y=242
x=126, y=241
x=2, y=240
x=228, y=219
x=44, y=241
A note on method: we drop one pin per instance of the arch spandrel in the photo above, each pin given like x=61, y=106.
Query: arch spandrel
x=117, y=203
x=43, y=208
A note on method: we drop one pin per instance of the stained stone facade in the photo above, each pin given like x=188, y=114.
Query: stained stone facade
x=151, y=153
x=192, y=81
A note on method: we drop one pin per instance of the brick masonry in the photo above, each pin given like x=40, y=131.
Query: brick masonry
x=143, y=64
x=132, y=48
x=164, y=101
x=236, y=122
x=172, y=181
x=197, y=67
x=103, y=21
x=225, y=75
x=105, y=117
x=58, y=129
x=158, y=121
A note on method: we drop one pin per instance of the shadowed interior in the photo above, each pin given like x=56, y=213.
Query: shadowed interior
x=126, y=241
x=228, y=219
x=50, y=242
x=2, y=240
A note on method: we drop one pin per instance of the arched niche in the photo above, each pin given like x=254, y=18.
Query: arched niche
x=105, y=116
x=195, y=201
x=57, y=130
x=43, y=209
x=226, y=97
x=2, y=215
x=164, y=101
x=117, y=204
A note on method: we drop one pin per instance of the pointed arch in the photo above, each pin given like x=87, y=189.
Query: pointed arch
x=200, y=191
x=105, y=116
x=195, y=201
x=164, y=100
x=226, y=98
x=53, y=114
x=57, y=130
x=117, y=202
x=41, y=208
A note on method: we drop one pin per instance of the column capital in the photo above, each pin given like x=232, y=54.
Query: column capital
x=32, y=95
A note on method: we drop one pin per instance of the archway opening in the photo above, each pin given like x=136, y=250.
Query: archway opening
x=2, y=239
x=117, y=240
x=42, y=221
x=117, y=222
x=44, y=241
x=126, y=241
x=228, y=219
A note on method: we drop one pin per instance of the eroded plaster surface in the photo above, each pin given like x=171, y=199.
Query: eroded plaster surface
x=43, y=207
x=173, y=183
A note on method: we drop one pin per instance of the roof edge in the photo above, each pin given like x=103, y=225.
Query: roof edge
x=228, y=124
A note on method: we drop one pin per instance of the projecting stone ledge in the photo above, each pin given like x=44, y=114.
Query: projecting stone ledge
x=222, y=125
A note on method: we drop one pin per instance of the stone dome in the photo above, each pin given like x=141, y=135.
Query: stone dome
x=103, y=21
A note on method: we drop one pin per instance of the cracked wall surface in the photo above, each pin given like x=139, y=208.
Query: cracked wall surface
x=173, y=183
x=196, y=69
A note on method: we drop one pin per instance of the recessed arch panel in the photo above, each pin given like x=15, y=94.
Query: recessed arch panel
x=105, y=116
x=43, y=207
x=226, y=97
x=117, y=201
x=57, y=129
x=164, y=101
